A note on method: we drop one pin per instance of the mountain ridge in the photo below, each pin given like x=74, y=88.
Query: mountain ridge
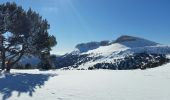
x=115, y=54
x=85, y=47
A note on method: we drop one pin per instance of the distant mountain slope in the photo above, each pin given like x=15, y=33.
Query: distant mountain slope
x=84, y=47
x=133, y=42
x=126, y=52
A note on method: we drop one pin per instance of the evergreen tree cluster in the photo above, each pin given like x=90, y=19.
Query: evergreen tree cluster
x=73, y=60
x=136, y=61
x=46, y=62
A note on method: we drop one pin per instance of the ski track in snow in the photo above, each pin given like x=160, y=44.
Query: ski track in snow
x=150, y=84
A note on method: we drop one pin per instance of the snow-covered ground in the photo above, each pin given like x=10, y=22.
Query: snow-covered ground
x=150, y=84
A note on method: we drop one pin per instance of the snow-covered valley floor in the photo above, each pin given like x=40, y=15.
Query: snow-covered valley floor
x=150, y=84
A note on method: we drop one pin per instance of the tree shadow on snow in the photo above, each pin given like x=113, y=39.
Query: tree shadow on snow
x=21, y=83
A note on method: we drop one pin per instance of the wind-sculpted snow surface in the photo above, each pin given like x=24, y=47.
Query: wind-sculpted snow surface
x=150, y=84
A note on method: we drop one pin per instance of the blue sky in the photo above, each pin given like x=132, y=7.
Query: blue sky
x=77, y=21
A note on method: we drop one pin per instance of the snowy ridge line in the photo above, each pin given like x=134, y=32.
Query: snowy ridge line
x=161, y=49
x=150, y=49
x=121, y=52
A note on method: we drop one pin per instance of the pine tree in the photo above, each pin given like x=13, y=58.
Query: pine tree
x=28, y=34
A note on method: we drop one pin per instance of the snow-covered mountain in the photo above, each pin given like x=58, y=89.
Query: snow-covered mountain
x=126, y=52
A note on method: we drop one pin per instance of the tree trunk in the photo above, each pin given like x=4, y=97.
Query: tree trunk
x=3, y=60
x=9, y=66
